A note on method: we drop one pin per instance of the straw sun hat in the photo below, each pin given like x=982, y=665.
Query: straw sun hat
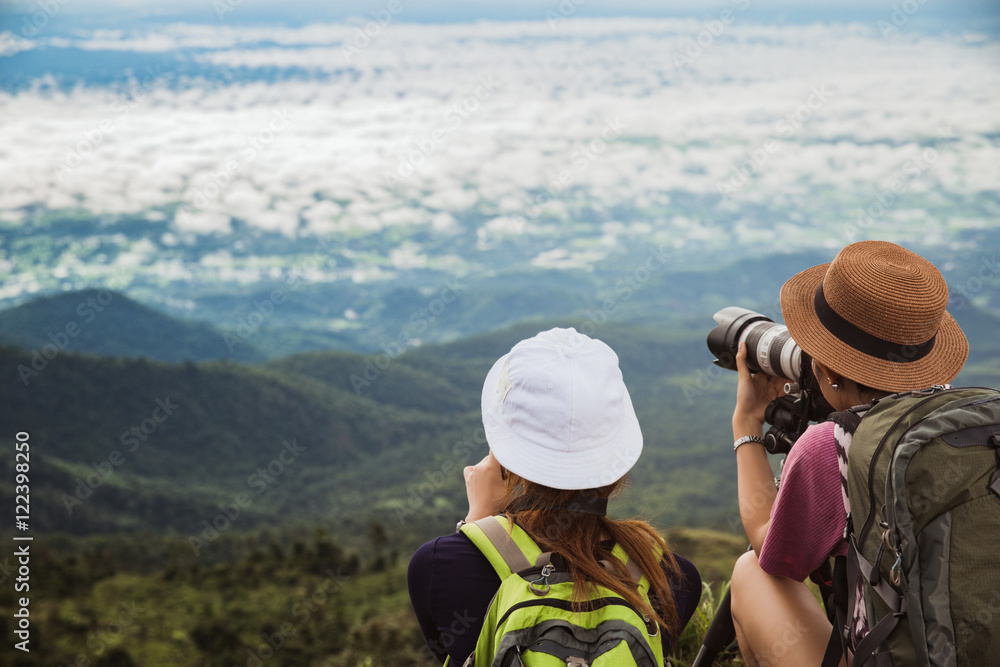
x=876, y=315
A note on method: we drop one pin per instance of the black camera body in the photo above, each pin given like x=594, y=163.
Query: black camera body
x=771, y=350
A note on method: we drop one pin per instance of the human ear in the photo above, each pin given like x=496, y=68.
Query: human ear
x=824, y=373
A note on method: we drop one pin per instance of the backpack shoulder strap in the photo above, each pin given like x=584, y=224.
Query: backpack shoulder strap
x=512, y=551
x=637, y=576
x=508, y=548
x=849, y=419
x=845, y=424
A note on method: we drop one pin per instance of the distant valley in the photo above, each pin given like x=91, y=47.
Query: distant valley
x=146, y=422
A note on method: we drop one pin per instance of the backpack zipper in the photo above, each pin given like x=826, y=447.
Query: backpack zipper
x=591, y=605
x=871, y=467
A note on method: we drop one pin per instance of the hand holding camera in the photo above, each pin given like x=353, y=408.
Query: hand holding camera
x=484, y=485
x=775, y=368
x=754, y=393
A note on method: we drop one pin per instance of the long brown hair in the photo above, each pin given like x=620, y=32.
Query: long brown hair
x=577, y=538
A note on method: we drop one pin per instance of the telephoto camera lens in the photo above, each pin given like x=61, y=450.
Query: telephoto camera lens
x=770, y=349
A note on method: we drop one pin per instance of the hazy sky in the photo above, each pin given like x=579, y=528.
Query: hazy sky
x=971, y=12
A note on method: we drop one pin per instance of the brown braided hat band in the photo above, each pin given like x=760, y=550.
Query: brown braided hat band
x=876, y=315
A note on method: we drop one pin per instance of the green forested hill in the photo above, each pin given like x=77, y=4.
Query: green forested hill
x=159, y=446
x=128, y=443
x=109, y=323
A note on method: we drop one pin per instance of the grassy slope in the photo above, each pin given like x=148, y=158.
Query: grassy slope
x=321, y=605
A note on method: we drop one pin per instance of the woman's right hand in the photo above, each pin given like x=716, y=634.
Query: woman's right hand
x=485, y=488
x=753, y=394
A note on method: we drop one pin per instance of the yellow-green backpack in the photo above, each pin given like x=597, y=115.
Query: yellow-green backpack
x=531, y=621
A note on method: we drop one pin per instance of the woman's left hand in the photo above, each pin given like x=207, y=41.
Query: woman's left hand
x=753, y=394
x=485, y=488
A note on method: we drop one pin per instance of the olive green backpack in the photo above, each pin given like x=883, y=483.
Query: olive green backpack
x=922, y=492
x=530, y=621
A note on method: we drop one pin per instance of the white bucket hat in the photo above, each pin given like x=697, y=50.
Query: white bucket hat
x=556, y=412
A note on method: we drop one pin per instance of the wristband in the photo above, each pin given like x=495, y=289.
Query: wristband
x=747, y=438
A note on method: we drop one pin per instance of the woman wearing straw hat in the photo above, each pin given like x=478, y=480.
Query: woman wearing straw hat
x=562, y=434
x=874, y=323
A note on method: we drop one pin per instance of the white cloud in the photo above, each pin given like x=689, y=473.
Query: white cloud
x=202, y=222
x=322, y=210
x=684, y=130
x=11, y=43
x=408, y=256
x=443, y=222
x=138, y=254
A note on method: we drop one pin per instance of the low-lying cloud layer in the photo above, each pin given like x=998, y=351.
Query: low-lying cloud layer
x=327, y=130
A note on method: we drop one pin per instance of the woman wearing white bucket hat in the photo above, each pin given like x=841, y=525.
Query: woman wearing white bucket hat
x=562, y=434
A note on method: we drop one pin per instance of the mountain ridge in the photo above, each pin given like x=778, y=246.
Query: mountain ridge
x=109, y=323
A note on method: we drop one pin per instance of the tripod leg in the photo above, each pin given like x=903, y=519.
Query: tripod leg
x=720, y=635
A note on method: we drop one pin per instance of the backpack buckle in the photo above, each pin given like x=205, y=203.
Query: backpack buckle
x=889, y=539
x=896, y=573
x=931, y=390
x=544, y=579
